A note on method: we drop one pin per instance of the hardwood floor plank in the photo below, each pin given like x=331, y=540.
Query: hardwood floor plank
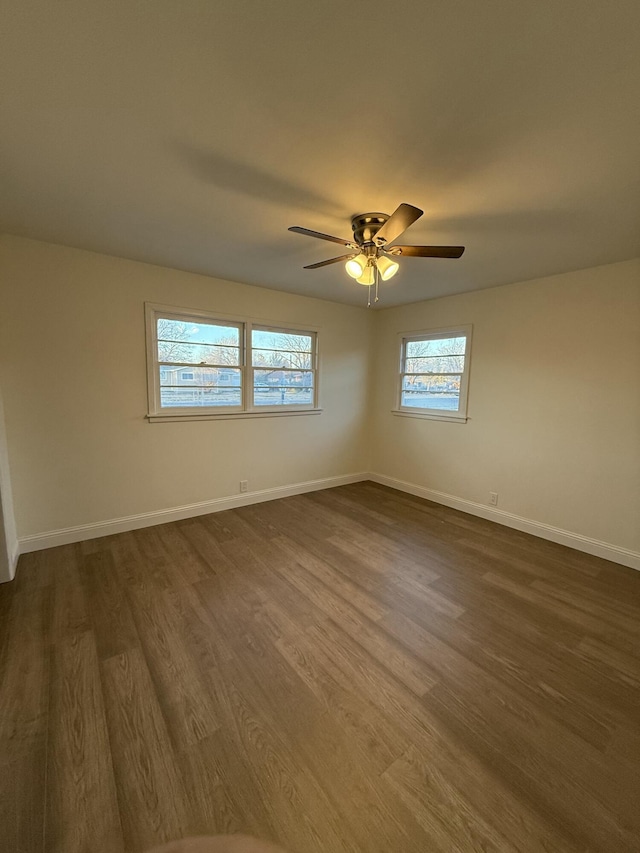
x=539, y=672
x=424, y=594
x=440, y=808
x=296, y=803
x=445, y=661
x=24, y=712
x=183, y=695
x=35, y=571
x=254, y=580
x=6, y=603
x=352, y=667
x=256, y=660
x=24, y=697
x=148, y=782
x=134, y=568
x=485, y=793
x=323, y=572
x=388, y=560
x=404, y=666
x=624, y=748
x=535, y=772
x=619, y=614
x=81, y=802
x=354, y=670
x=69, y=608
x=566, y=612
x=612, y=663
x=473, y=536
x=376, y=814
x=359, y=718
x=320, y=595
x=484, y=649
x=188, y=566
x=366, y=513
x=205, y=545
x=108, y=606
x=221, y=790
x=22, y=800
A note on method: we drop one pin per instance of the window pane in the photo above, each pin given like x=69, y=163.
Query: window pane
x=282, y=387
x=281, y=358
x=200, y=376
x=197, y=333
x=431, y=392
x=436, y=346
x=197, y=353
x=435, y=364
x=287, y=378
x=281, y=341
x=200, y=396
x=283, y=396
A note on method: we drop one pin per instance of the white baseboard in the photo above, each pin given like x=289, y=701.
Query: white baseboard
x=545, y=531
x=82, y=532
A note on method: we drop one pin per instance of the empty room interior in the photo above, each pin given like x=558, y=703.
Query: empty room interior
x=320, y=427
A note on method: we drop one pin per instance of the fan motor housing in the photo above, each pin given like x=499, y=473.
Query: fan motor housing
x=366, y=225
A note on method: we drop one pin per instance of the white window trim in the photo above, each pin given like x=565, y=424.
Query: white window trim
x=435, y=414
x=156, y=414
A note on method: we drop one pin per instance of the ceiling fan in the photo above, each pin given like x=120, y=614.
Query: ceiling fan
x=373, y=257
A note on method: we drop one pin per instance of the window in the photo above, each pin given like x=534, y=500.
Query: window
x=434, y=374
x=200, y=365
x=204, y=344
x=283, y=367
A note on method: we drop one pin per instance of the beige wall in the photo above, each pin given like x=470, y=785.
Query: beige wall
x=72, y=351
x=554, y=402
x=554, y=399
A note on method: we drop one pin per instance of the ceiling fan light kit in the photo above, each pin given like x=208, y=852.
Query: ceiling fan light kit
x=368, y=276
x=356, y=266
x=375, y=256
x=387, y=267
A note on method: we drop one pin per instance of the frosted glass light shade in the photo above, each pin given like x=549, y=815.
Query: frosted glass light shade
x=367, y=277
x=387, y=268
x=356, y=266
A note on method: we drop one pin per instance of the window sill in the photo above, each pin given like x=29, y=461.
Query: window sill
x=226, y=416
x=427, y=416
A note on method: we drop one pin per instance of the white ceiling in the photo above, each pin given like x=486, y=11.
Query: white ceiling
x=192, y=133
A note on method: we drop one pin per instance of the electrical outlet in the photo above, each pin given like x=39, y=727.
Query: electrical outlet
x=493, y=498
x=244, y=485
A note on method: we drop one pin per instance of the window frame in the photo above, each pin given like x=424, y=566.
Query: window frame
x=247, y=408
x=435, y=414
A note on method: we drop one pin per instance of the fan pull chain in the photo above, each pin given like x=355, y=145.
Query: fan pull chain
x=376, y=298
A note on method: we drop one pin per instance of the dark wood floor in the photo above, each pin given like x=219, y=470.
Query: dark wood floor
x=349, y=670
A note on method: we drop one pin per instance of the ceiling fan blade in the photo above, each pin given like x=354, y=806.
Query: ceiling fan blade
x=401, y=218
x=330, y=261
x=426, y=251
x=298, y=230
